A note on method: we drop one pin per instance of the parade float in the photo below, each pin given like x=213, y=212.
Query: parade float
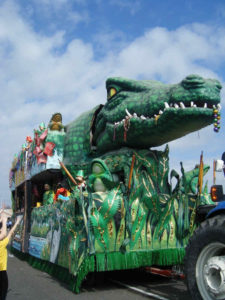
x=121, y=210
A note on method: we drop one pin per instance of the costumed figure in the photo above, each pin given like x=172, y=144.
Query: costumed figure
x=55, y=123
x=28, y=142
x=48, y=195
x=35, y=196
x=81, y=184
x=62, y=194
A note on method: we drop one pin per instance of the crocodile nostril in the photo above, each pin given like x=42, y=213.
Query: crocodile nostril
x=193, y=82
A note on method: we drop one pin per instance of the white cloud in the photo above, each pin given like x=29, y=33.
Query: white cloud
x=171, y=55
x=38, y=78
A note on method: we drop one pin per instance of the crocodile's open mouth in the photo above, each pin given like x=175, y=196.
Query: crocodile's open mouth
x=173, y=108
x=139, y=130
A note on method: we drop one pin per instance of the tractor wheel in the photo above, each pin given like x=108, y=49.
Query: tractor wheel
x=205, y=260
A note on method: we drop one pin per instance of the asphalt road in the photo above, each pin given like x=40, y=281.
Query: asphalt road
x=27, y=283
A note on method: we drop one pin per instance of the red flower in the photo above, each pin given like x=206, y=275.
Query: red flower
x=29, y=139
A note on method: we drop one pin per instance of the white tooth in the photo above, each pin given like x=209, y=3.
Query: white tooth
x=214, y=106
x=176, y=106
x=182, y=105
x=219, y=106
x=143, y=117
x=205, y=105
x=160, y=112
x=127, y=112
x=135, y=115
x=192, y=103
x=171, y=104
x=166, y=105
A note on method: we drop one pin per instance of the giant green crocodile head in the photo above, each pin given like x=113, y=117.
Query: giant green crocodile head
x=144, y=114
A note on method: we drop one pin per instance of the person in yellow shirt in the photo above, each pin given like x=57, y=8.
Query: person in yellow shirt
x=4, y=240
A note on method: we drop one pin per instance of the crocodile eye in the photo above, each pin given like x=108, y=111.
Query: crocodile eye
x=111, y=92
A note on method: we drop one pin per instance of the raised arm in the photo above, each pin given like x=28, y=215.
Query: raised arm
x=18, y=219
x=3, y=232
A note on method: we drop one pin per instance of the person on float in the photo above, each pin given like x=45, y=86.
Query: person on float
x=4, y=240
x=48, y=197
x=61, y=193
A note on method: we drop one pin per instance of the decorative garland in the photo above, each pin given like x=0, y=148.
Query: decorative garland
x=216, y=115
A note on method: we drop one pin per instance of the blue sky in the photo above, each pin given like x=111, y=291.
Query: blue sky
x=55, y=55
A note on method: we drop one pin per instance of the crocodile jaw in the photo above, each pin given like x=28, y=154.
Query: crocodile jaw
x=145, y=132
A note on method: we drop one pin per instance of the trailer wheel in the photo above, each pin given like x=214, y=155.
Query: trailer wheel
x=205, y=260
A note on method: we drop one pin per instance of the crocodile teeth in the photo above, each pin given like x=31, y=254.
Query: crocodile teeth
x=182, y=105
x=135, y=115
x=166, y=105
x=205, y=105
x=214, y=106
x=219, y=106
x=143, y=117
x=128, y=114
x=192, y=103
x=176, y=106
x=160, y=112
